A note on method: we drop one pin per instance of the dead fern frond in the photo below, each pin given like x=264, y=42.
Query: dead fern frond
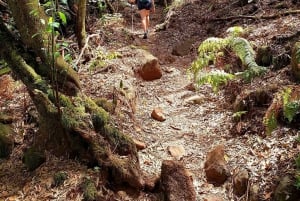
x=6, y=89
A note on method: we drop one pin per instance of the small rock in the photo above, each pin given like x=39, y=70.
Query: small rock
x=6, y=140
x=158, y=115
x=122, y=194
x=286, y=190
x=196, y=99
x=254, y=192
x=215, y=166
x=169, y=70
x=213, y=198
x=176, y=183
x=151, y=183
x=183, y=48
x=139, y=145
x=240, y=182
x=146, y=162
x=190, y=87
x=176, y=151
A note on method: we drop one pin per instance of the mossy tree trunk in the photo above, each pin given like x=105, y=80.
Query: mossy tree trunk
x=80, y=127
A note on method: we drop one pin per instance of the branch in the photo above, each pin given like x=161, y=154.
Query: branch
x=84, y=47
x=257, y=17
x=2, y=3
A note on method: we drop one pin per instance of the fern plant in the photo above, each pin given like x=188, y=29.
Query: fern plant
x=290, y=108
x=213, y=48
x=270, y=123
x=289, y=105
x=215, y=78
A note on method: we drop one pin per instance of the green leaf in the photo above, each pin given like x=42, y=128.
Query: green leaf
x=297, y=160
x=63, y=18
x=64, y=2
x=56, y=54
x=34, y=12
x=239, y=114
x=34, y=35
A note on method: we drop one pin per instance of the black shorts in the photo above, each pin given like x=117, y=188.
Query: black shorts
x=144, y=4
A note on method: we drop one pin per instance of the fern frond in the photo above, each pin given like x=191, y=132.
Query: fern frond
x=208, y=51
x=235, y=31
x=212, y=45
x=242, y=48
x=214, y=78
x=270, y=123
x=290, y=108
x=252, y=72
x=213, y=48
x=245, y=52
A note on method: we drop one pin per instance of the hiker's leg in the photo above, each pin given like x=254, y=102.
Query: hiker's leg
x=143, y=14
x=148, y=20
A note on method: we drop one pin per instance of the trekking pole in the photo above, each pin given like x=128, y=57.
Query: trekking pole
x=132, y=18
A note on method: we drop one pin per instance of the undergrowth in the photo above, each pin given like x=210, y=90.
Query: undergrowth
x=211, y=49
x=290, y=108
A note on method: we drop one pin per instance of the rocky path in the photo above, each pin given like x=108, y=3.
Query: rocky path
x=193, y=128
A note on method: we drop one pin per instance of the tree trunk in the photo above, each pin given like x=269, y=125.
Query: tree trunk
x=77, y=128
x=80, y=23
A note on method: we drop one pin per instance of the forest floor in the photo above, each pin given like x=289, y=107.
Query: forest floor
x=194, y=128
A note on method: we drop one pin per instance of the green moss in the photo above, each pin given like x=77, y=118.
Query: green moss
x=122, y=143
x=97, y=64
x=99, y=116
x=65, y=101
x=33, y=158
x=59, y=178
x=105, y=104
x=73, y=112
x=6, y=143
x=4, y=70
x=5, y=119
x=73, y=117
x=66, y=72
x=89, y=190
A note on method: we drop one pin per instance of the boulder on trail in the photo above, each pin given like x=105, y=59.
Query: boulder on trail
x=176, y=183
x=140, y=62
x=215, y=166
x=6, y=135
x=240, y=182
x=149, y=68
x=183, y=48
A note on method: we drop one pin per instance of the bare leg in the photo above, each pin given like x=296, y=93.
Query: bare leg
x=145, y=19
x=148, y=21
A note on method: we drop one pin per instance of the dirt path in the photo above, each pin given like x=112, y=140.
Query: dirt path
x=195, y=127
